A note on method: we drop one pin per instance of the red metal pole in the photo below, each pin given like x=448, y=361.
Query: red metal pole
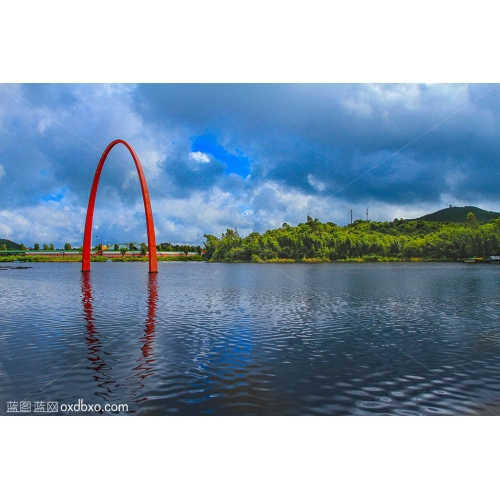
x=87, y=235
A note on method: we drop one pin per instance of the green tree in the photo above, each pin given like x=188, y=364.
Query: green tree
x=45, y=246
x=211, y=245
x=471, y=221
x=131, y=247
x=123, y=251
x=144, y=249
x=36, y=246
x=22, y=247
x=67, y=246
x=369, y=240
x=51, y=247
x=116, y=248
x=3, y=247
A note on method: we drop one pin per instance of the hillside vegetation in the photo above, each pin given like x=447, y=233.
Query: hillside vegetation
x=459, y=214
x=363, y=240
x=9, y=244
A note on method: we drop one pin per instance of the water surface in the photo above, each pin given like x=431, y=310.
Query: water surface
x=271, y=339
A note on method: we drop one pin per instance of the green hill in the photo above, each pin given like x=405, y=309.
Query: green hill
x=10, y=244
x=459, y=214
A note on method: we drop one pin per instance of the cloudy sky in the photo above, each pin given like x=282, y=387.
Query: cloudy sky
x=245, y=156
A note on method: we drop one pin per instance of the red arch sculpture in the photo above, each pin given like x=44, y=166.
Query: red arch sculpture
x=87, y=236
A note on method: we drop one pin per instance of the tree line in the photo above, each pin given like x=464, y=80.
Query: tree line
x=123, y=249
x=362, y=240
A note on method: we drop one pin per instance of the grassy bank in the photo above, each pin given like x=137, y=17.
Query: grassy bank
x=199, y=258
x=317, y=260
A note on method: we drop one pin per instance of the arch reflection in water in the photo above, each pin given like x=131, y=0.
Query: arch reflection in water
x=109, y=386
x=146, y=361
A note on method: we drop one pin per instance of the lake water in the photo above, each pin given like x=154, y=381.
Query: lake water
x=250, y=339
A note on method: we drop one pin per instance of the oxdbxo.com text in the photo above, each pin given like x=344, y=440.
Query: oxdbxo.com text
x=80, y=406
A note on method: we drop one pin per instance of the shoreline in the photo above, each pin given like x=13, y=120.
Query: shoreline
x=78, y=259
x=355, y=260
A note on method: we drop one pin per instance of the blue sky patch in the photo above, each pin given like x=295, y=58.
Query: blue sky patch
x=239, y=165
x=57, y=196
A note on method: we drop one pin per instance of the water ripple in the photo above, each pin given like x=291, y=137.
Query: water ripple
x=203, y=339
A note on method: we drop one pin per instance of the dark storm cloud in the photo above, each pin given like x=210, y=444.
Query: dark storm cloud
x=52, y=97
x=185, y=175
x=55, y=136
x=338, y=132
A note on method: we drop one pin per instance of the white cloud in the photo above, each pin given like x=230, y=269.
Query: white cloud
x=13, y=224
x=358, y=106
x=316, y=183
x=48, y=222
x=199, y=157
x=43, y=124
x=5, y=229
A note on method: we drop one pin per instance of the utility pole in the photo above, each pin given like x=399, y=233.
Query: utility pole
x=351, y=216
x=367, y=215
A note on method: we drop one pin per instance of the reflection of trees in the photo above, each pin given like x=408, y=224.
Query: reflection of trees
x=98, y=364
